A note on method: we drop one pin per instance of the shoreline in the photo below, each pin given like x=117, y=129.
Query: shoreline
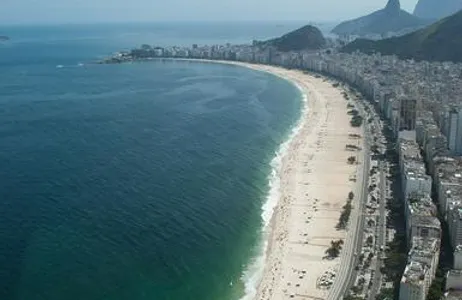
x=256, y=269
x=293, y=249
x=313, y=182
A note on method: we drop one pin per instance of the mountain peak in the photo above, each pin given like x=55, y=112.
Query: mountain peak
x=393, y=6
x=440, y=41
x=389, y=19
x=306, y=37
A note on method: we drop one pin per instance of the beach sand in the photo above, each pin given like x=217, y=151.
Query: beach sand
x=315, y=180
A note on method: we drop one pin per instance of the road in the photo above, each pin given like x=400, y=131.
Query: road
x=382, y=223
x=346, y=274
x=381, y=235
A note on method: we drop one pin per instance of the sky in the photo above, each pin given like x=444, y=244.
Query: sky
x=97, y=11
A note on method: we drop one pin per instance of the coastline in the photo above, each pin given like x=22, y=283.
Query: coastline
x=314, y=181
x=309, y=186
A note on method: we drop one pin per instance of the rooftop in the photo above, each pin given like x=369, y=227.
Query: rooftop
x=414, y=273
x=409, y=149
x=416, y=167
x=455, y=273
x=424, y=246
x=450, y=170
x=421, y=205
x=426, y=221
x=453, y=295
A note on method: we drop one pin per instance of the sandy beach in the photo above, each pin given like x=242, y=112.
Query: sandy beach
x=315, y=180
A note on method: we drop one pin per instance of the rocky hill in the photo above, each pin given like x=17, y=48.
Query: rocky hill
x=389, y=19
x=437, y=9
x=441, y=41
x=306, y=38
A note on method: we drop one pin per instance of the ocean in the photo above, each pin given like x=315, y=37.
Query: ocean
x=134, y=181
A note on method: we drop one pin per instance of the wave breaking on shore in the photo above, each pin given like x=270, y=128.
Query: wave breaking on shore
x=253, y=274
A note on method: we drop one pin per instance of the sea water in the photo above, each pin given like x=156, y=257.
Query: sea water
x=135, y=181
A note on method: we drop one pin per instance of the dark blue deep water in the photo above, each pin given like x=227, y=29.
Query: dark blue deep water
x=135, y=181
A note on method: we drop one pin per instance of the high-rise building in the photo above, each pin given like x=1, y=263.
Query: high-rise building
x=454, y=132
x=421, y=220
x=454, y=280
x=407, y=113
x=458, y=257
x=415, y=282
x=421, y=268
x=455, y=225
x=454, y=277
x=426, y=251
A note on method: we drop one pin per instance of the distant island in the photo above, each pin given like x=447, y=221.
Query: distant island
x=391, y=19
x=440, y=41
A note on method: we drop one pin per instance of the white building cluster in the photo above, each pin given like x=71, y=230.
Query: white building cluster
x=421, y=101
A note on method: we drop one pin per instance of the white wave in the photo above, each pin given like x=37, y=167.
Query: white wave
x=253, y=275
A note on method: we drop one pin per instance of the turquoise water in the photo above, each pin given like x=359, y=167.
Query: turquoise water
x=135, y=181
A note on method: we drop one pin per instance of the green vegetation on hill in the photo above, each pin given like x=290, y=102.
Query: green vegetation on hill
x=306, y=38
x=441, y=41
x=437, y=9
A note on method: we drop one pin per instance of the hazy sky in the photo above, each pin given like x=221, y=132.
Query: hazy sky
x=91, y=11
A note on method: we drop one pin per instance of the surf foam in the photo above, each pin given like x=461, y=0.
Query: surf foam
x=253, y=275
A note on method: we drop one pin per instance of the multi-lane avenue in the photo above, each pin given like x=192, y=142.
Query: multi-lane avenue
x=346, y=273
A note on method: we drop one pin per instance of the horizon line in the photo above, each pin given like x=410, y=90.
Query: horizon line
x=136, y=22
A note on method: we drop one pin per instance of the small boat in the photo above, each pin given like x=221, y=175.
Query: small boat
x=59, y=66
x=4, y=38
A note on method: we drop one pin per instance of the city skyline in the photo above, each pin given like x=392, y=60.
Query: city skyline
x=104, y=11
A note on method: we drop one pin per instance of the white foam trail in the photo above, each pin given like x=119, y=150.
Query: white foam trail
x=253, y=275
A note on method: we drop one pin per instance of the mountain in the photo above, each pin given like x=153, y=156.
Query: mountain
x=440, y=41
x=306, y=38
x=389, y=19
x=437, y=9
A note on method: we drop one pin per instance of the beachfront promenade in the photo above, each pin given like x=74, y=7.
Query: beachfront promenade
x=347, y=273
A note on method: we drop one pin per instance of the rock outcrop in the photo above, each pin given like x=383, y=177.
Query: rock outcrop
x=389, y=19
